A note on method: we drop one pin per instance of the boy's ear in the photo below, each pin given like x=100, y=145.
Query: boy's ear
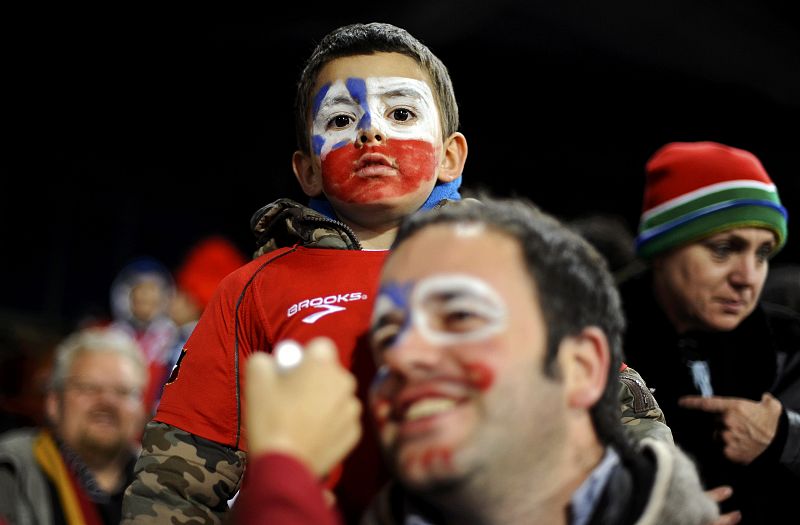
x=585, y=360
x=310, y=179
x=453, y=157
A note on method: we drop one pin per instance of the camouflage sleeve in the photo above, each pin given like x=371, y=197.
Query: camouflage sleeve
x=641, y=414
x=181, y=478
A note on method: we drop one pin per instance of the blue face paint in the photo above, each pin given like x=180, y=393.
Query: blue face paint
x=357, y=87
x=317, y=141
x=318, y=100
x=399, y=294
x=340, y=144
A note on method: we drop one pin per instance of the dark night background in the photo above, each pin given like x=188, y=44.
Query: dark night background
x=136, y=133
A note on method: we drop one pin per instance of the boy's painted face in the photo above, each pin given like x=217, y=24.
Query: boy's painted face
x=377, y=137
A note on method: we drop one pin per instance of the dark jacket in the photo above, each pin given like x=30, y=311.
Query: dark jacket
x=657, y=486
x=761, y=355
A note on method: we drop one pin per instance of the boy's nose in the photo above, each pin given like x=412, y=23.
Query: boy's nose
x=366, y=136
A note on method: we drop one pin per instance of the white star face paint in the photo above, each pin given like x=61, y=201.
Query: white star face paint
x=446, y=309
x=396, y=107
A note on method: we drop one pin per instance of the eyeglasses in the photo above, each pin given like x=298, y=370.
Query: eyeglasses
x=88, y=389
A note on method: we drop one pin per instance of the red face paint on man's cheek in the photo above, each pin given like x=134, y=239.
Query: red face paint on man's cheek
x=415, y=160
x=381, y=410
x=440, y=458
x=480, y=376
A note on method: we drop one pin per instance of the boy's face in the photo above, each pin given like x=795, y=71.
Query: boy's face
x=375, y=132
x=461, y=339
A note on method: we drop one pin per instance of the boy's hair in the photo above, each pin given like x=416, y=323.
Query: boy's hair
x=367, y=39
x=575, y=288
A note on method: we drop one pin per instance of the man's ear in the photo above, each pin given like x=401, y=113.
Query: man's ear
x=585, y=360
x=310, y=179
x=454, y=156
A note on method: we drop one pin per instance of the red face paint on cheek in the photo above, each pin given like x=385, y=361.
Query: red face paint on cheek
x=440, y=459
x=414, y=160
x=480, y=376
x=381, y=411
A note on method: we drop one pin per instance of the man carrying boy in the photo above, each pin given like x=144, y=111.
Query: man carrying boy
x=377, y=134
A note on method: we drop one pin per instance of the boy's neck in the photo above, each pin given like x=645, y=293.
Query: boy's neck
x=375, y=239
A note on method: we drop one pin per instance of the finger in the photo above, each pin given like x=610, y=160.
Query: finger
x=728, y=437
x=322, y=348
x=260, y=369
x=720, y=493
x=729, y=518
x=714, y=404
x=330, y=498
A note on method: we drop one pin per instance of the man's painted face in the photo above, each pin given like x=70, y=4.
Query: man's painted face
x=460, y=338
x=376, y=137
x=445, y=309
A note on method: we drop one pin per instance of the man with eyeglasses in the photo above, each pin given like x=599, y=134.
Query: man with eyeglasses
x=76, y=469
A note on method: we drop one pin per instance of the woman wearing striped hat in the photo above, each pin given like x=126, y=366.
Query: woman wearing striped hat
x=724, y=366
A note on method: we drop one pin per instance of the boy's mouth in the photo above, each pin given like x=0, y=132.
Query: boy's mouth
x=375, y=165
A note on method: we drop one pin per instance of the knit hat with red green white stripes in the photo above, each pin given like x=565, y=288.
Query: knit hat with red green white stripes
x=696, y=189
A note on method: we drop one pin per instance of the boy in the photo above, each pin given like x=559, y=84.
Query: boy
x=376, y=120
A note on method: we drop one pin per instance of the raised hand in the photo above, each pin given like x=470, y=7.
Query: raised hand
x=309, y=411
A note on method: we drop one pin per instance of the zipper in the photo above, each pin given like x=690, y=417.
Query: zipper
x=349, y=231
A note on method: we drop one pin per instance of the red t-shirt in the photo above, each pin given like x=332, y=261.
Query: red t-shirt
x=291, y=293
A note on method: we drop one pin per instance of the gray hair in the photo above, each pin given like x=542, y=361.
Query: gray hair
x=94, y=340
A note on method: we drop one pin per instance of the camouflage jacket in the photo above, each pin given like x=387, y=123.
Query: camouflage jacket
x=184, y=478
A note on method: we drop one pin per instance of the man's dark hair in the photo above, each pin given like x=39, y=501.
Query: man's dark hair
x=575, y=288
x=367, y=39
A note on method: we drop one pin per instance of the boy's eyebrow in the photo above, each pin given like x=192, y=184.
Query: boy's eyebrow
x=403, y=92
x=338, y=99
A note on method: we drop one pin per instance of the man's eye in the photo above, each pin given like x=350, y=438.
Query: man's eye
x=458, y=321
x=383, y=338
x=402, y=114
x=340, y=121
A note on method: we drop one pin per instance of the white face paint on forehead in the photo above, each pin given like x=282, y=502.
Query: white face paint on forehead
x=445, y=309
x=469, y=229
x=344, y=107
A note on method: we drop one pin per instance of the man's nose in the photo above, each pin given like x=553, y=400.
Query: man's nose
x=412, y=354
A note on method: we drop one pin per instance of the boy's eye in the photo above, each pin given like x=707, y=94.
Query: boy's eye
x=402, y=114
x=340, y=121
